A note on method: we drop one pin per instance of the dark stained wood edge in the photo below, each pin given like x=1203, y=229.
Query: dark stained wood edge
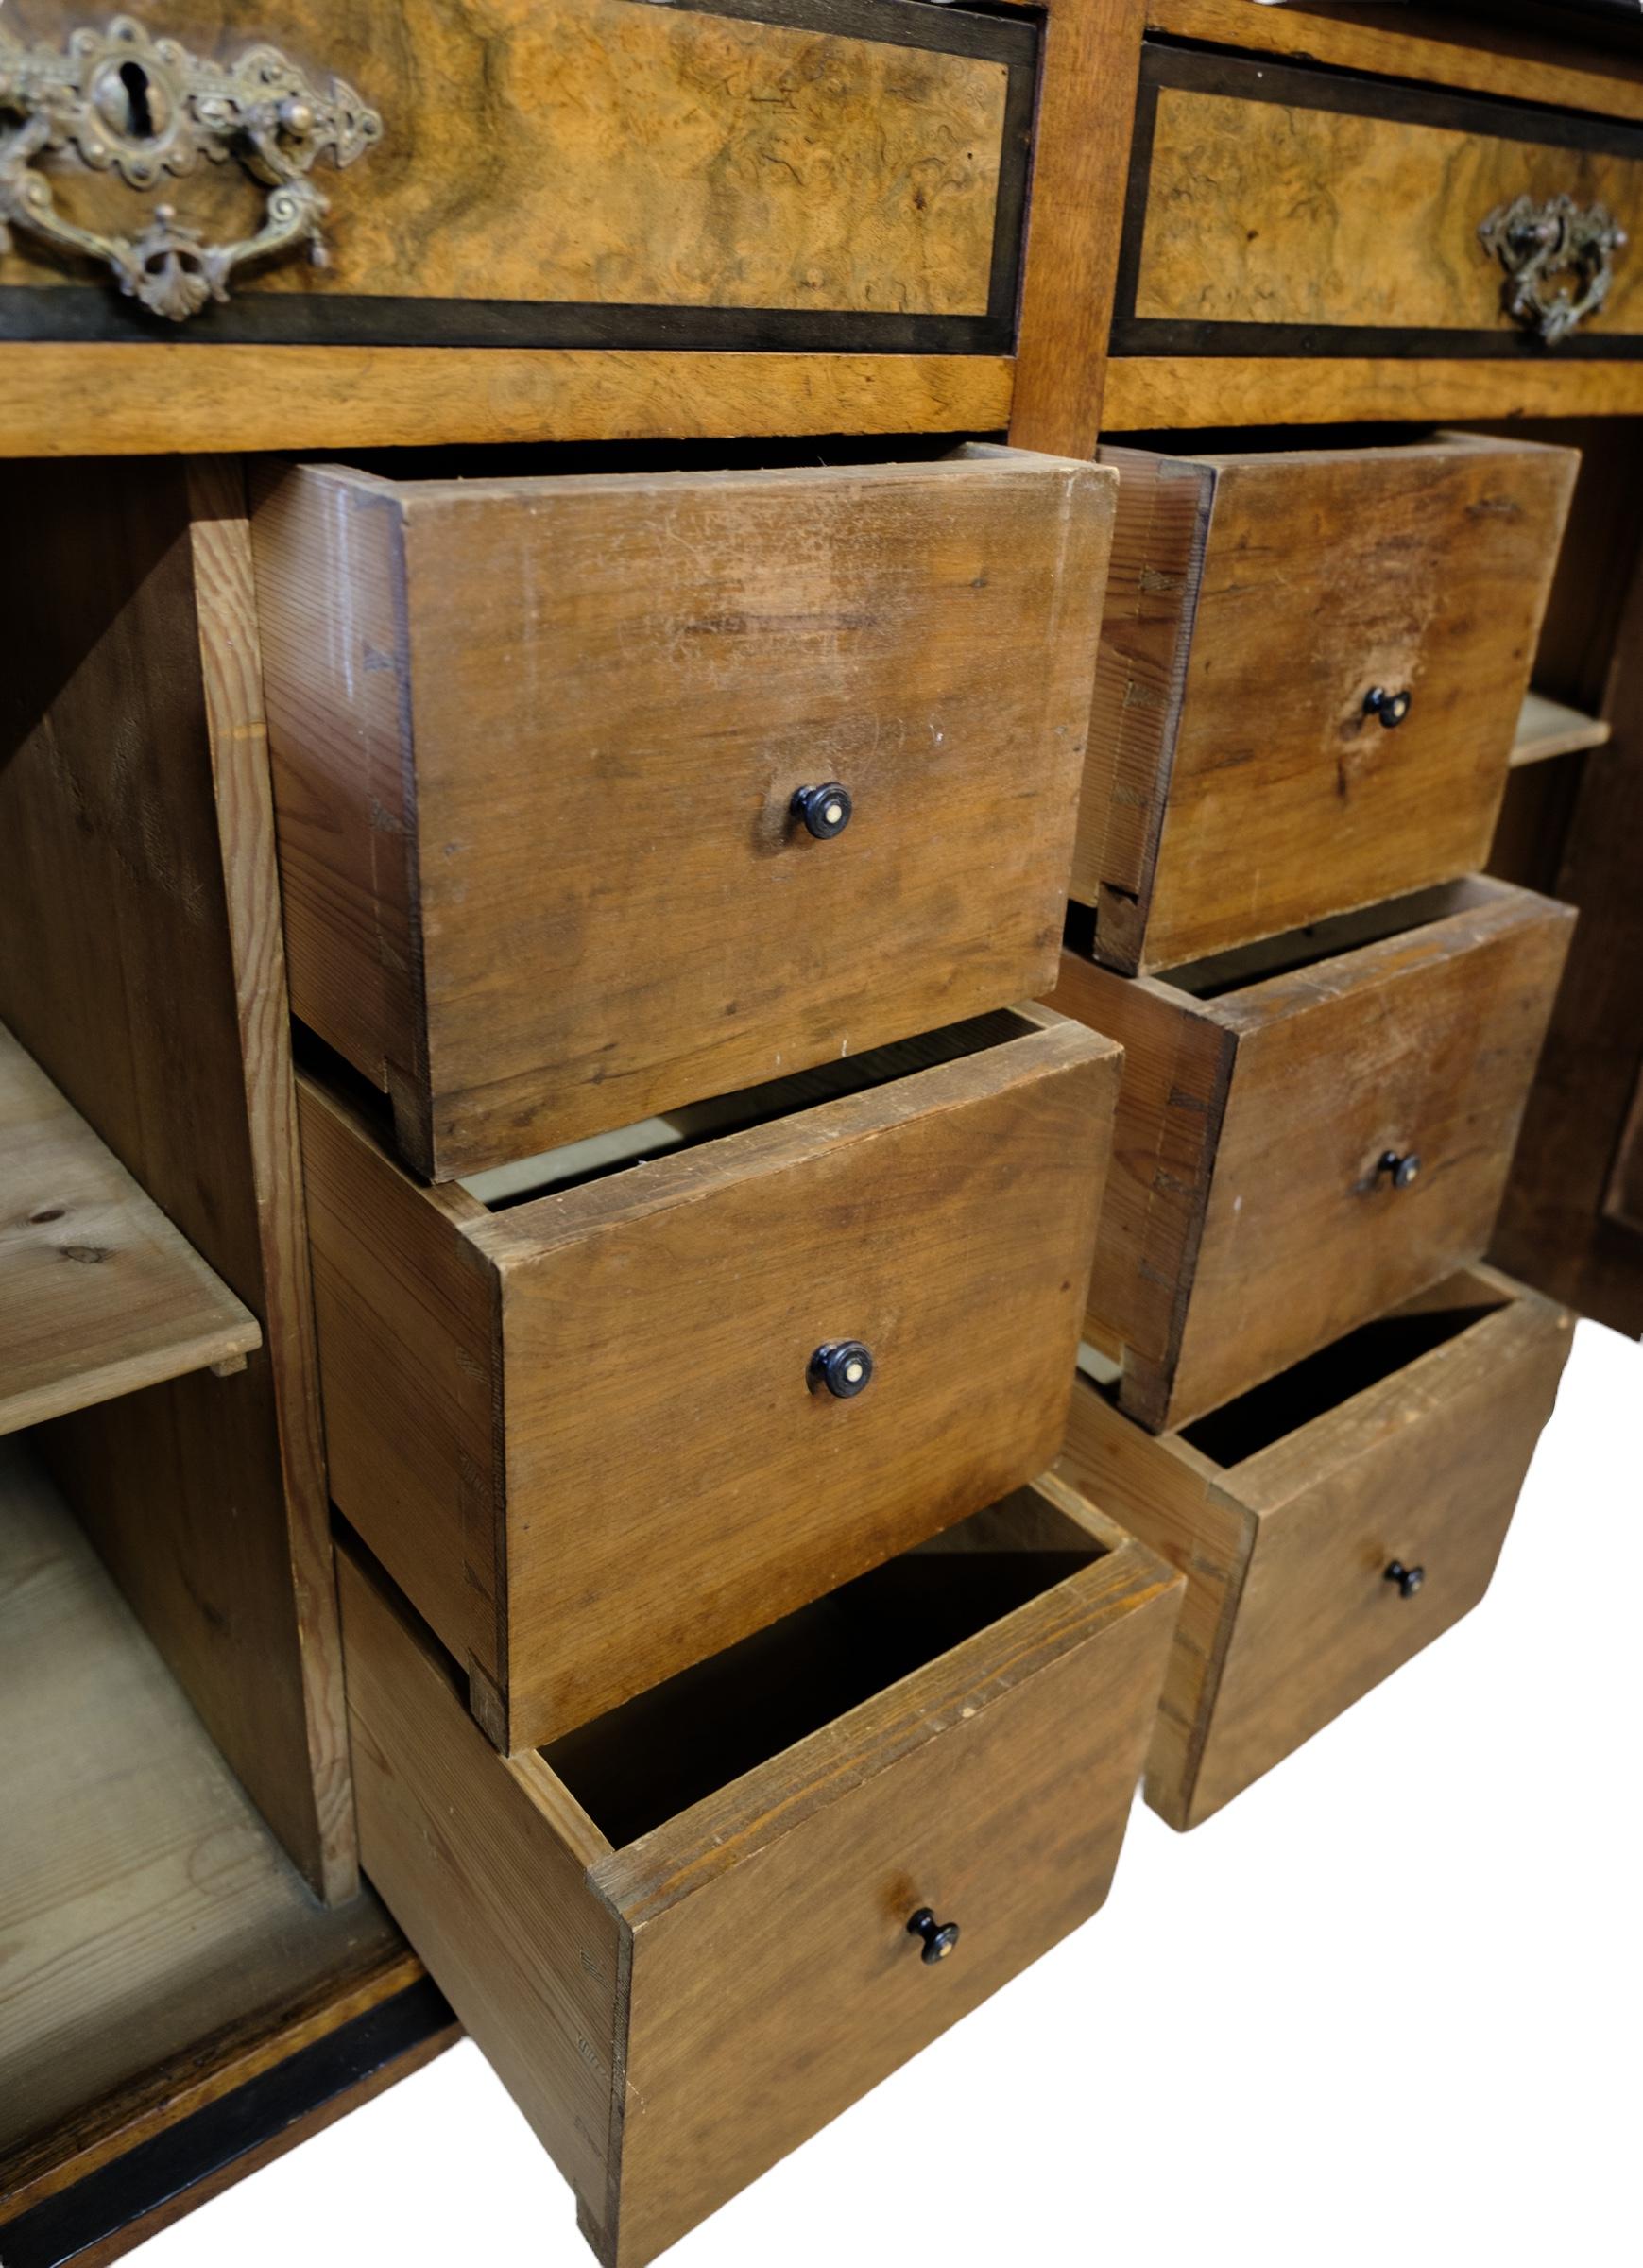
x=60, y=2156
x=1367, y=94
x=110, y=2211
x=1222, y=71
x=74, y=315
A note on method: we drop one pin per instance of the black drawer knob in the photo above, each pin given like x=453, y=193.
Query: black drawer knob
x=824, y=810
x=1402, y=1167
x=1409, y=1579
x=844, y=1366
x=940, y=1936
x=1391, y=708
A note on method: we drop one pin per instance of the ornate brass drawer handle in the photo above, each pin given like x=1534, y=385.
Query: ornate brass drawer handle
x=1536, y=242
x=145, y=107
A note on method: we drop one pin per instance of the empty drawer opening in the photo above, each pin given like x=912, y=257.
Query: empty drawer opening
x=1242, y=1429
x=419, y=469
x=697, y=1122
x=657, y=1755
x=1246, y=965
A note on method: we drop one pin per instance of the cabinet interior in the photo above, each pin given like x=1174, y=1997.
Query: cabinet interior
x=668, y=1748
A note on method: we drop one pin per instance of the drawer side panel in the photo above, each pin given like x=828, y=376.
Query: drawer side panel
x=492, y=1896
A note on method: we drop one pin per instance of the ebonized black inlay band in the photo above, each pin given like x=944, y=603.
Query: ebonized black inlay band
x=126, y=2192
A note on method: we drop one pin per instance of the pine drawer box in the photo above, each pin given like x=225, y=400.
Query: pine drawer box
x=1283, y=210
x=604, y=1415
x=601, y=792
x=692, y=1933
x=1330, y=1523
x=1309, y=1131
x=1312, y=665
x=422, y=221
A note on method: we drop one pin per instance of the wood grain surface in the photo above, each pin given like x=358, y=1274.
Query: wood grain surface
x=139, y=966
x=578, y=1431
x=1263, y=212
x=1255, y=601
x=992, y=1780
x=1416, y=1453
x=519, y=708
x=160, y=1946
x=99, y=1295
x=1081, y=156
x=1152, y=392
x=1247, y=1146
x=119, y=400
x=600, y=152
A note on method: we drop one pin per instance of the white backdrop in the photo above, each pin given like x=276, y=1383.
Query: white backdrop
x=1384, y=2008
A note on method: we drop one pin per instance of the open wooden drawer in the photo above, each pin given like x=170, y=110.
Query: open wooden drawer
x=687, y=1935
x=1330, y=1523
x=607, y=1412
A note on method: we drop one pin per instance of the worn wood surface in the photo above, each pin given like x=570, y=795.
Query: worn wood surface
x=1175, y=1499
x=140, y=965
x=519, y=1944
x=120, y=401
x=1149, y=392
x=1236, y=785
x=1419, y=1454
x=578, y=1431
x=1404, y=43
x=160, y=1947
x=511, y=707
x=600, y=152
x=99, y=1295
x=1262, y=212
x=1247, y=1145
x=992, y=1780
x=1081, y=156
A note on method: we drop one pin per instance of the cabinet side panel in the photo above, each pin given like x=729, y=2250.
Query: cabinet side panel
x=156, y=1007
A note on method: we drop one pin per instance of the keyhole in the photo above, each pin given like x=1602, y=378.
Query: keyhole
x=139, y=113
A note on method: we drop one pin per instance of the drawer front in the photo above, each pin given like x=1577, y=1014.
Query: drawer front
x=673, y=1478
x=677, y=2006
x=541, y=173
x=773, y=1995
x=1423, y=1473
x=1422, y=1046
x=1283, y=211
x=1255, y=606
x=592, y=705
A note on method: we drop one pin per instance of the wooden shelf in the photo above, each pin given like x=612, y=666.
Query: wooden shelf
x=99, y=1295
x=1547, y=728
x=160, y=1947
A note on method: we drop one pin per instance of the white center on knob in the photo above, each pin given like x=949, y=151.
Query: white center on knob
x=833, y=814
x=852, y=1372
